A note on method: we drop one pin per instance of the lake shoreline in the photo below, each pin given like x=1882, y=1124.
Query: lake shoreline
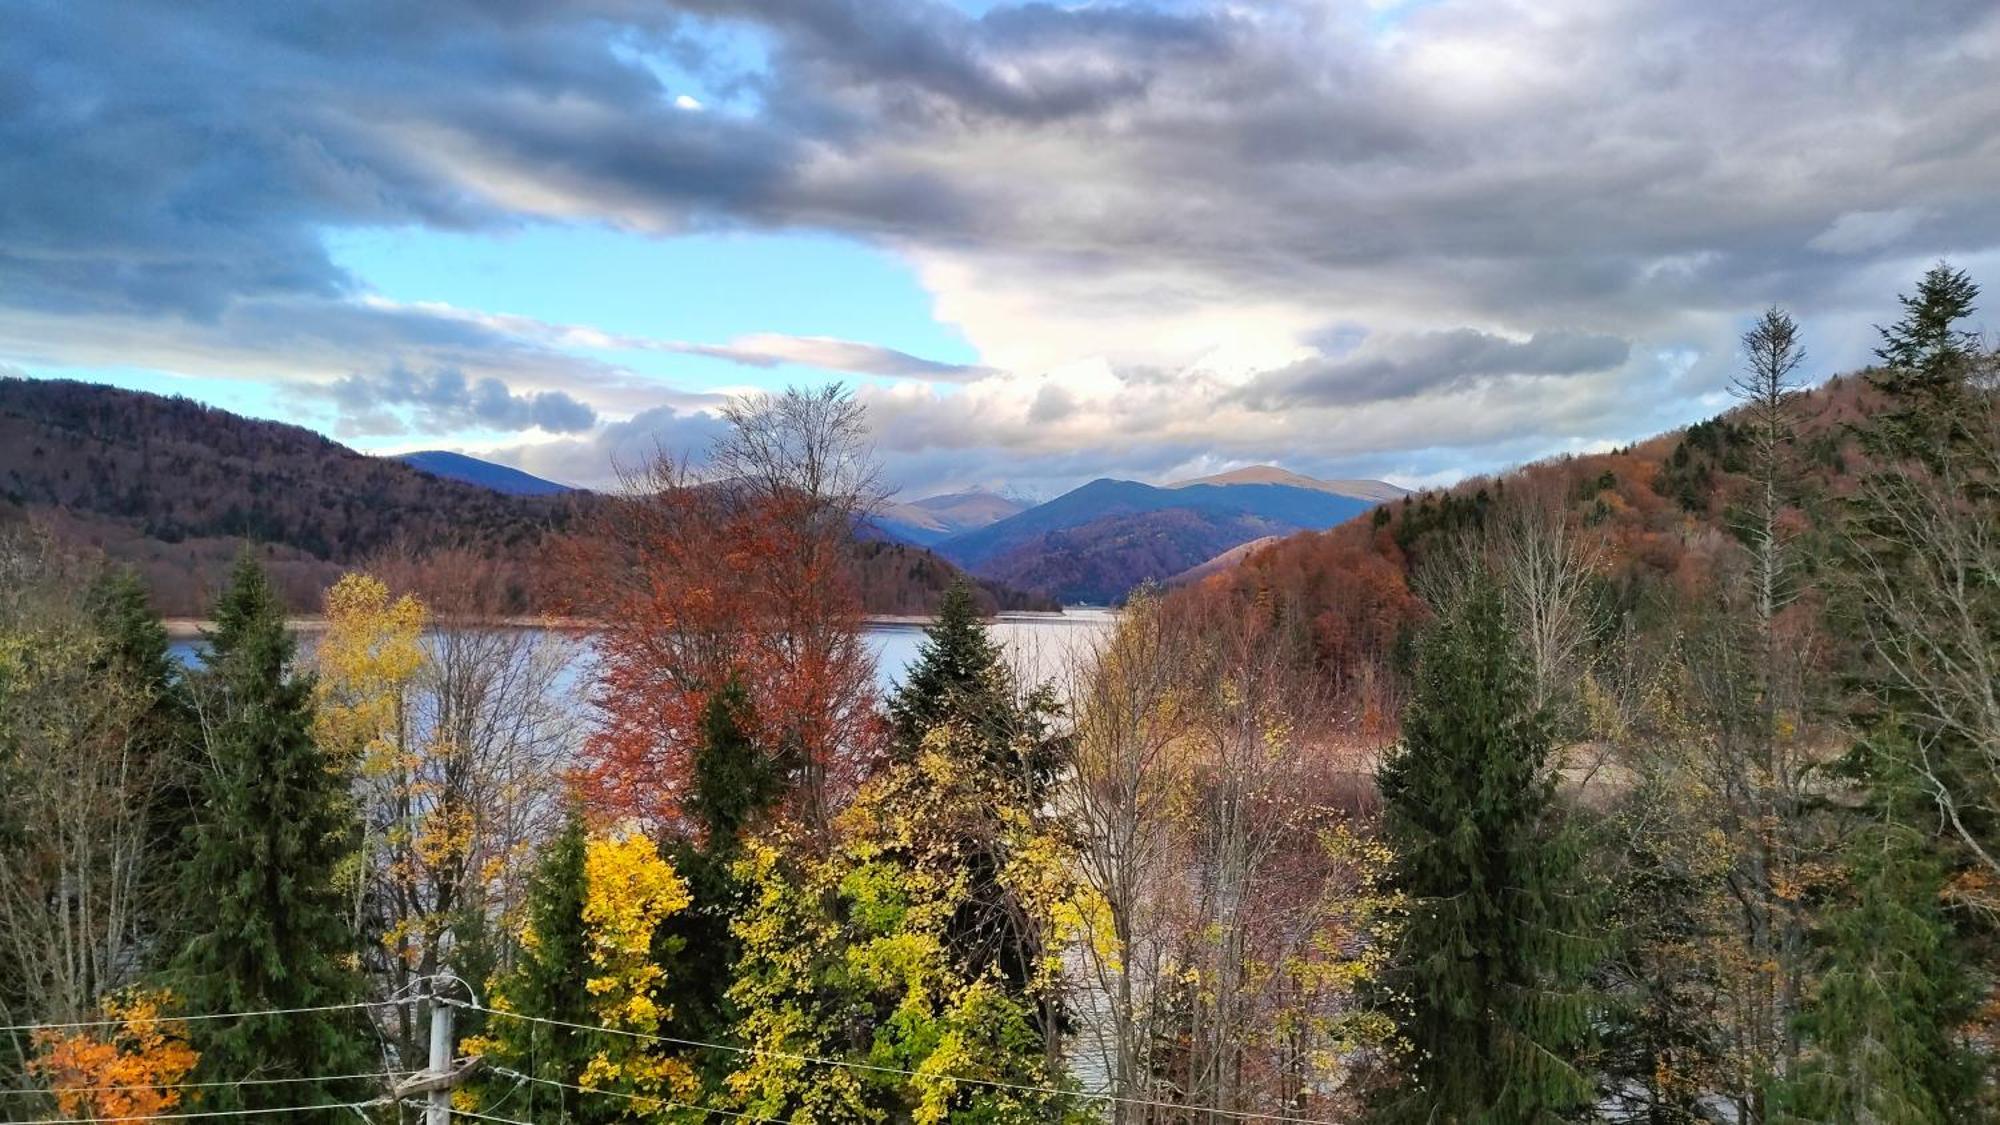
x=192, y=628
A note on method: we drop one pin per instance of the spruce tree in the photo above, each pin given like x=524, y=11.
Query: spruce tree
x=961, y=693
x=958, y=675
x=272, y=823
x=549, y=979
x=735, y=785
x=1489, y=977
x=1881, y=1030
x=1920, y=596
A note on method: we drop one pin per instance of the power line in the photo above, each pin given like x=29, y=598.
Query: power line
x=149, y=1117
x=649, y=1099
x=209, y=1016
x=208, y=1085
x=1240, y=1115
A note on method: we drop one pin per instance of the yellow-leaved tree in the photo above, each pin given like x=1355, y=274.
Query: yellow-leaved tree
x=594, y=909
x=628, y=891
x=369, y=661
x=458, y=732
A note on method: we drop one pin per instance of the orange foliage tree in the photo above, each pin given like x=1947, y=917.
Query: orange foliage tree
x=126, y=1075
x=743, y=569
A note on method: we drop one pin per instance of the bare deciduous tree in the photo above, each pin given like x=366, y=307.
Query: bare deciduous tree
x=1126, y=772
x=76, y=860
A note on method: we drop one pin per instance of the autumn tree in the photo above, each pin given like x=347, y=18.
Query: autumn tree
x=1127, y=777
x=629, y=890
x=741, y=570
x=447, y=725
x=275, y=824
x=850, y=957
x=131, y=1069
x=1270, y=833
x=596, y=906
x=367, y=662
x=1227, y=910
x=1501, y=927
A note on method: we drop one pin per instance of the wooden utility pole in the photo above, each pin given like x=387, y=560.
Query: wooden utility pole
x=438, y=1109
x=444, y=1073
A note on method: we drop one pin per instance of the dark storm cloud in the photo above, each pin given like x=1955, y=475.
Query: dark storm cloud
x=172, y=157
x=1636, y=173
x=448, y=400
x=1431, y=362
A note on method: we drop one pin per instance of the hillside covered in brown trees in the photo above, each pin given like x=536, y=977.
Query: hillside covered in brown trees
x=1657, y=519
x=173, y=488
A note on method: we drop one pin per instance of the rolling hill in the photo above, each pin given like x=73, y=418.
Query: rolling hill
x=1662, y=514
x=471, y=470
x=1097, y=542
x=173, y=488
x=936, y=518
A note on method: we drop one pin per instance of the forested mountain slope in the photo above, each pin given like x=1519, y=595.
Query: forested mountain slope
x=172, y=487
x=1658, y=513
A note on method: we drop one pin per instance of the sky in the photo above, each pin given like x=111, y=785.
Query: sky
x=1044, y=242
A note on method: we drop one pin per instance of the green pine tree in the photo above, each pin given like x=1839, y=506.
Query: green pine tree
x=958, y=675
x=1882, y=1028
x=268, y=928
x=1927, y=346
x=1927, y=359
x=735, y=785
x=548, y=979
x=961, y=692
x=1500, y=935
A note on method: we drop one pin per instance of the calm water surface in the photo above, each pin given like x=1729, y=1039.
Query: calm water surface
x=1039, y=645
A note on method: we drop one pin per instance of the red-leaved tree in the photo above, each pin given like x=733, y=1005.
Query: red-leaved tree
x=741, y=567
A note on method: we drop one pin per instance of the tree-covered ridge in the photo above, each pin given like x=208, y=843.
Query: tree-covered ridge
x=173, y=488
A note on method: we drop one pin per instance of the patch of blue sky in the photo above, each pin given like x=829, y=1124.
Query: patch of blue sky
x=707, y=288
x=704, y=64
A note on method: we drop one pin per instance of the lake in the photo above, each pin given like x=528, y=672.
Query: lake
x=1039, y=645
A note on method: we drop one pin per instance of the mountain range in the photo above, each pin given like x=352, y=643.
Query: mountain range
x=1092, y=544
x=173, y=488
x=1095, y=543
x=934, y=519
x=471, y=470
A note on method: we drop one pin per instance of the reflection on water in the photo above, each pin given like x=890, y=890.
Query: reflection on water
x=1039, y=645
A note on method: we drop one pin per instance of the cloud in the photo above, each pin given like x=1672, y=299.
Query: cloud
x=1428, y=363
x=448, y=400
x=1857, y=232
x=831, y=354
x=600, y=459
x=1141, y=218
